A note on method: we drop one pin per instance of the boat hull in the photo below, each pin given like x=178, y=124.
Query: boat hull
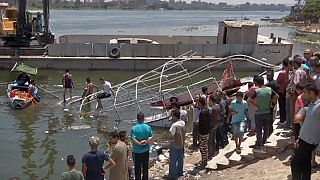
x=18, y=98
x=158, y=120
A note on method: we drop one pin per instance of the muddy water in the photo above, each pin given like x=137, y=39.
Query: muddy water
x=35, y=141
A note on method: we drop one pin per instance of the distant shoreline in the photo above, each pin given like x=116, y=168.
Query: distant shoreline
x=110, y=9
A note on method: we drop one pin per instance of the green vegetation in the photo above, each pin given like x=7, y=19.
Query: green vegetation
x=313, y=37
x=288, y=19
x=309, y=38
x=311, y=11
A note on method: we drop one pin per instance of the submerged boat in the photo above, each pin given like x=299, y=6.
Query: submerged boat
x=230, y=85
x=150, y=92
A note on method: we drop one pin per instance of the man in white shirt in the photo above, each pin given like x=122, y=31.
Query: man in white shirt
x=106, y=92
x=177, y=131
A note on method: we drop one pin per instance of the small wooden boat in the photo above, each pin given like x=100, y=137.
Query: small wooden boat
x=19, y=98
x=18, y=95
x=267, y=18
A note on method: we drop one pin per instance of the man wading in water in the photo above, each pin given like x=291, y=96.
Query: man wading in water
x=106, y=92
x=89, y=89
x=67, y=83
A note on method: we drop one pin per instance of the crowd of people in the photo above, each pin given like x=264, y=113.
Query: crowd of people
x=117, y=158
x=296, y=90
x=215, y=117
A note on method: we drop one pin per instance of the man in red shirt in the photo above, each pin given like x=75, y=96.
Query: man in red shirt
x=283, y=81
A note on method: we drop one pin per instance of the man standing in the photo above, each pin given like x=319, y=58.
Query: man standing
x=89, y=89
x=275, y=87
x=73, y=173
x=214, y=112
x=204, y=92
x=203, y=131
x=298, y=75
x=316, y=77
x=177, y=131
x=307, y=54
x=119, y=155
x=196, y=113
x=252, y=109
x=67, y=83
x=309, y=138
x=125, y=138
x=238, y=112
x=106, y=92
x=225, y=100
x=283, y=80
x=142, y=135
x=261, y=99
x=92, y=161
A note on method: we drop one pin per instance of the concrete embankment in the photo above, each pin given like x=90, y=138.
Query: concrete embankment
x=278, y=142
x=104, y=63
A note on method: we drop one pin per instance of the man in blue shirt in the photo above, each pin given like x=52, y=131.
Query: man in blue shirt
x=141, y=135
x=238, y=111
x=92, y=161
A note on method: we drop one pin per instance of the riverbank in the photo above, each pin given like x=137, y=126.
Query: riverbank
x=308, y=38
x=309, y=34
x=227, y=164
x=276, y=167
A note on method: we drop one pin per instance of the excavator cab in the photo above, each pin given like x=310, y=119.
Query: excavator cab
x=21, y=28
x=8, y=20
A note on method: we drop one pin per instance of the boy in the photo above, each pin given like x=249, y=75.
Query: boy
x=73, y=173
x=238, y=111
x=300, y=103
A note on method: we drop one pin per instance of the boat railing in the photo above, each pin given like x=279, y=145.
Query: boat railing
x=162, y=87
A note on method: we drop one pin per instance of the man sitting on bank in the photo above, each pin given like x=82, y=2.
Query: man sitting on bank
x=106, y=92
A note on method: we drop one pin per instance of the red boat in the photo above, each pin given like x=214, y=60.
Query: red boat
x=230, y=85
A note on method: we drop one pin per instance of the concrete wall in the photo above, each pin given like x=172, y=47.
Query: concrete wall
x=159, y=39
x=238, y=33
x=131, y=64
x=148, y=50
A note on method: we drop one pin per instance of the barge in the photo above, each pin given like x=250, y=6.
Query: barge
x=146, y=52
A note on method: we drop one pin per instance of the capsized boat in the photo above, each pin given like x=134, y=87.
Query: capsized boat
x=230, y=84
x=150, y=92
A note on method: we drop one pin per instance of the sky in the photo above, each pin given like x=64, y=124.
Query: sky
x=290, y=2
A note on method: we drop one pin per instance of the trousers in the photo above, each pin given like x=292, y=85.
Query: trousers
x=262, y=123
x=204, y=149
x=141, y=160
x=301, y=161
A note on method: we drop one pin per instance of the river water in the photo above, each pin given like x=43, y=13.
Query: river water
x=29, y=152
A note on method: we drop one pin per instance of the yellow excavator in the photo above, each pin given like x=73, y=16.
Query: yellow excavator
x=22, y=28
